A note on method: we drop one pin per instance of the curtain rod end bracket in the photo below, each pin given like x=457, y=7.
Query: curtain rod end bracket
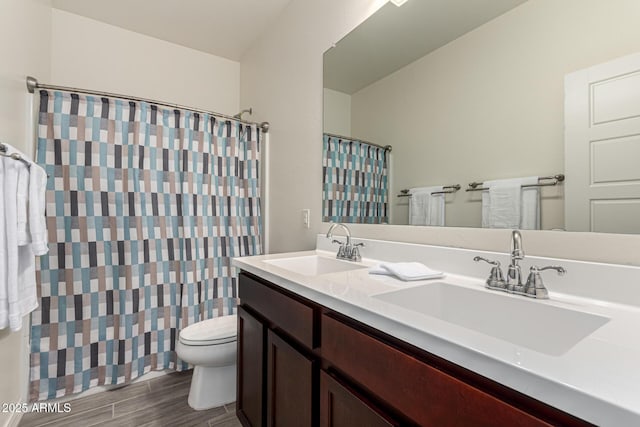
x=32, y=84
x=264, y=127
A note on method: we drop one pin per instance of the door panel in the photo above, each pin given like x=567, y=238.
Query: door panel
x=616, y=98
x=627, y=211
x=602, y=147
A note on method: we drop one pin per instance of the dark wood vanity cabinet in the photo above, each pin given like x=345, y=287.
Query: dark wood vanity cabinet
x=277, y=368
x=300, y=364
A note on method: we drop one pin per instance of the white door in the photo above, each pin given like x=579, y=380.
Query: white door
x=602, y=147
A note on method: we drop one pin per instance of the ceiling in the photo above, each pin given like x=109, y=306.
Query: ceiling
x=225, y=28
x=376, y=48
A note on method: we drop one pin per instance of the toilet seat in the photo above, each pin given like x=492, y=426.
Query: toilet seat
x=219, y=330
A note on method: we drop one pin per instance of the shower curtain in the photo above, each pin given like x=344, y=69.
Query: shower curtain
x=354, y=181
x=145, y=208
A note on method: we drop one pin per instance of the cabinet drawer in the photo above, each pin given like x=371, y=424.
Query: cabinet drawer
x=282, y=311
x=425, y=394
x=341, y=407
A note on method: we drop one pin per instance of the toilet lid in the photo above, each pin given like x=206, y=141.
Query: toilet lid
x=218, y=330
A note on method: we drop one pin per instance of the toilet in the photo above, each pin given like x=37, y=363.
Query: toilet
x=211, y=346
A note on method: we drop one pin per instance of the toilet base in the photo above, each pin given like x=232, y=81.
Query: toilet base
x=212, y=387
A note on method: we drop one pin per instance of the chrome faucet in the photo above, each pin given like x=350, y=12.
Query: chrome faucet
x=346, y=251
x=533, y=288
x=514, y=272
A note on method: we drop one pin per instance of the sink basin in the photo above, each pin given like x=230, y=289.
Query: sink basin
x=528, y=323
x=314, y=265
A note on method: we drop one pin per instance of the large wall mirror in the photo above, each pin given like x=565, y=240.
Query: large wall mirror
x=445, y=93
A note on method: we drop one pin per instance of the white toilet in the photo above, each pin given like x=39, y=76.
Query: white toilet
x=211, y=346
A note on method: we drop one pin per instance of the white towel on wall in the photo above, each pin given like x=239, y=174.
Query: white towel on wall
x=425, y=208
x=4, y=297
x=10, y=184
x=37, y=205
x=27, y=298
x=22, y=206
x=507, y=205
x=530, y=206
x=504, y=205
x=22, y=236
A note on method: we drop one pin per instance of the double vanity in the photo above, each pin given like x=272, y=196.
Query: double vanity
x=321, y=339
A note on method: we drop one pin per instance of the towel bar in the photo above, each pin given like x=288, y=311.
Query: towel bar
x=14, y=156
x=447, y=189
x=475, y=186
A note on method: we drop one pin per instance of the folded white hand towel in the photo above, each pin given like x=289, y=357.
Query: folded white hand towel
x=406, y=271
x=378, y=269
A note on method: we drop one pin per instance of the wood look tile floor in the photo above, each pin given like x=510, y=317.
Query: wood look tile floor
x=160, y=401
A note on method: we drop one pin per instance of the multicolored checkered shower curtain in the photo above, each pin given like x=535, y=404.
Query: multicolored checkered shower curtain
x=354, y=181
x=145, y=208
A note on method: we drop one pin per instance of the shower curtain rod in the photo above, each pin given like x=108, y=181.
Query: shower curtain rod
x=32, y=85
x=385, y=147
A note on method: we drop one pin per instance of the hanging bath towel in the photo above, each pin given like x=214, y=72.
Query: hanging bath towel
x=426, y=208
x=507, y=204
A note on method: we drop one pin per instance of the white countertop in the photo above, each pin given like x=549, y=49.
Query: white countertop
x=598, y=379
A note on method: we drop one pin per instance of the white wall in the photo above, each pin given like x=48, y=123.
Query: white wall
x=336, y=112
x=65, y=49
x=282, y=79
x=89, y=54
x=491, y=102
x=25, y=27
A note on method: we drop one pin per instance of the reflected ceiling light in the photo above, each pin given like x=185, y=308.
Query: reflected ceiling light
x=398, y=2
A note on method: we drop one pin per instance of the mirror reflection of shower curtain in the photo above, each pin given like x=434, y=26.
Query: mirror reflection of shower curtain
x=146, y=206
x=354, y=181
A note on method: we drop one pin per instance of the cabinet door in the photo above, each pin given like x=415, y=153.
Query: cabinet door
x=289, y=384
x=340, y=407
x=251, y=364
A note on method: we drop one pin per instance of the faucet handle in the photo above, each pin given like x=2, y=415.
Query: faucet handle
x=535, y=287
x=488, y=261
x=337, y=241
x=355, y=252
x=496, y=278
x=561, y=270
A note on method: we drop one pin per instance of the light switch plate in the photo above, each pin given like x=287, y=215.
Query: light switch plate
x=306, y=217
